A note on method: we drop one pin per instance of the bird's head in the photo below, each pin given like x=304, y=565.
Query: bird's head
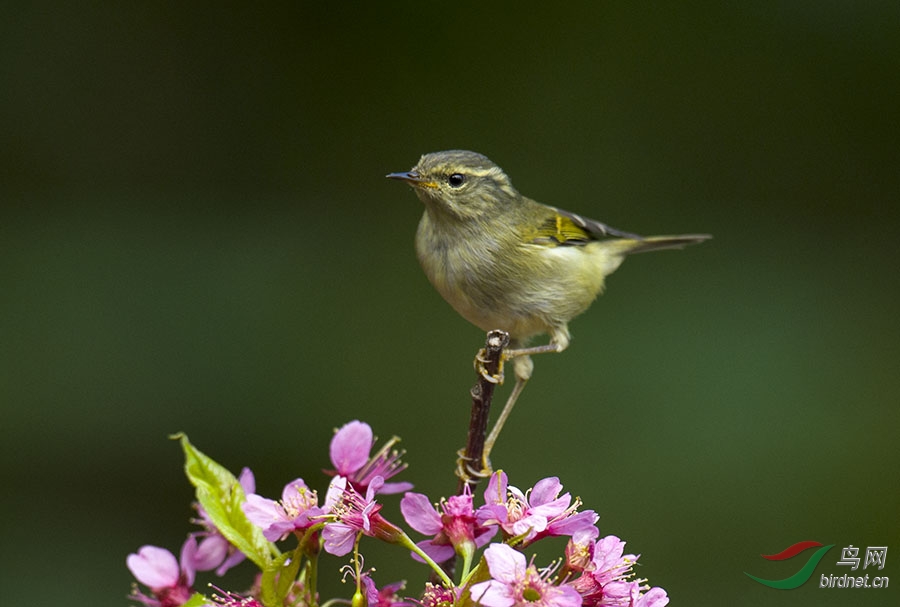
x=462, y=184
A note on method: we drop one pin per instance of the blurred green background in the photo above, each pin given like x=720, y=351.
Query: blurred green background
x=196, y=235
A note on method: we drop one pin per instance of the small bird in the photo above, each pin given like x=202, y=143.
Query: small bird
x=504, y=261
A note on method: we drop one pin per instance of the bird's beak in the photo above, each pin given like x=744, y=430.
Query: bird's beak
x=412, y=178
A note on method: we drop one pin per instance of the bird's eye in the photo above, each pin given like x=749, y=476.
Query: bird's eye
x=456, y=180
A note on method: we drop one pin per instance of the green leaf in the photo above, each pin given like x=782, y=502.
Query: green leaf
x=197, y=600
x=288, y=573
x=479, y=573
x=278, y=578
x=221, y=495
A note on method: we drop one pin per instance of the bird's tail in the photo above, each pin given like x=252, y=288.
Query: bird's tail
x=627, y=246
x=611, y=253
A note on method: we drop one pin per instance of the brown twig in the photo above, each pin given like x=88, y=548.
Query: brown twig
x=470, y=465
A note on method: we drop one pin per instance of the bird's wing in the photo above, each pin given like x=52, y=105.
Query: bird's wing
x=562, y=228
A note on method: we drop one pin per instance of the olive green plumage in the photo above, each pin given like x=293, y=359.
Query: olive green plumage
x=504, y=261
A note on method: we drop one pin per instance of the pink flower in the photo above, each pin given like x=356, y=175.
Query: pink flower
x=454, y=528
x=438, y=596
x=214, y=551
x=296, y=512
x=386, y=597
x=515, y=584
x=349, y=453
x=609, y=563
x=655, y=597
x=353, y=513
x=538, y=513
x=233, y=599
x=606, y=581
x=158, y=569
x=580, y=549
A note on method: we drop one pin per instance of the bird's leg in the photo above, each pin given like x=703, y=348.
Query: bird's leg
x=523, y=366
x=511, y=354
x=551, y=347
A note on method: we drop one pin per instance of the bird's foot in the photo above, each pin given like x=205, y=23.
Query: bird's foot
x=481, y=360
x=467, y=472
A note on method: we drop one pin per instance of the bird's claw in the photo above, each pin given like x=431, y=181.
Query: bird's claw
x=466, y=472
x=480, y=361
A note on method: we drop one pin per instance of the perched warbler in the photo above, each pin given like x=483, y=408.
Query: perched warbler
x=504, y=261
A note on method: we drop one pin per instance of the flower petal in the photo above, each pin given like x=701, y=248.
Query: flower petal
x=492, y=594
x=496, y=489
x=485, y=536
x=262, y=511
x=374, y=487
x=292, y=489
x=585, y=535
x=210, y=553
x=336, y=489
x=563, y=596
x=655, y=597
x=420, y=514
x=338, y=538
x=268, y=515
x=350, y=447
x=608, y=558
x=247, y=480
x=577, y=523
x=492, y=514
x=505, y=563
x=394, y=488
x=617, y=591
x=553, y=508
x=438, y=552
x=545, y=490
x=188, y=557
x=154, y=567
x=236, y=557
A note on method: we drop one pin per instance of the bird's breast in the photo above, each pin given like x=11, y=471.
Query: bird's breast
x=522, y=288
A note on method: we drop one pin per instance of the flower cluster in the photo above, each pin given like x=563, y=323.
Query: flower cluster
x=239, y=524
